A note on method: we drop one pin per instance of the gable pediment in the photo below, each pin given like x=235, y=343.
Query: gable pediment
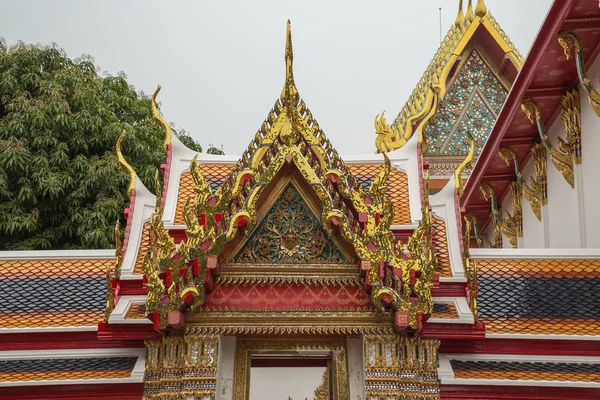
x=290, y=234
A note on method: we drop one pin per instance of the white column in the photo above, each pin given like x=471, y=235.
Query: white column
x=356, y=367
x=580, y=205
x=546, y=224
x=226, y=367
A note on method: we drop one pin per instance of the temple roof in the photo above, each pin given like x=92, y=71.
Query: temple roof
x=474, y=65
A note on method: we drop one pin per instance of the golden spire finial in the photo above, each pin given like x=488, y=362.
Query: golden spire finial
x=467, y=163
x=158, y=118
x=125, y=165
x=469, y=16
x=460, y=17
x=289, y=94
x=480, y=9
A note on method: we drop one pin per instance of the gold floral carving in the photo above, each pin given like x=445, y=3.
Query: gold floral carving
x=290, y=234
x=335, y=348
x=398, y=367
x=571, y=117
x=512, y=225
x=536, y=193
x=322, y=391
x=569, y=41
x=181, y=367
x=495, y=215
x=561, y=157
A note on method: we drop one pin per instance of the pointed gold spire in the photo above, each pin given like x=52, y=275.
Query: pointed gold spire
x=289, y=94
x=480, y=9
x=469, y=16
x=125, y=165
x=460, y=17
x=158, y=118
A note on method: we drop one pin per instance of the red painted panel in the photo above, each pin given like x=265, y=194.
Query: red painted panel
x=126, y=332
x=522, y=346
x=122, y=391
x=476, y=392
x=61, y=340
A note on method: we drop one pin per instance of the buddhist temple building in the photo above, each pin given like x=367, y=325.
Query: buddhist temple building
x=460, y=261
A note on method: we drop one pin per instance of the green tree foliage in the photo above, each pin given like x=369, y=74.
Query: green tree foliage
x=60, y=184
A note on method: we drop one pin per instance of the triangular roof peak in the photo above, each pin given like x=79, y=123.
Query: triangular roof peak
x=432, y=86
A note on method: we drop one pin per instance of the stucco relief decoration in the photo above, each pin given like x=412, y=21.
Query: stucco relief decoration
x=471, y=104
x=290, y=234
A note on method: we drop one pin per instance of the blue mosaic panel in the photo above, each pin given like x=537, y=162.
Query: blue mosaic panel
x=290, y=234
x=472, y=102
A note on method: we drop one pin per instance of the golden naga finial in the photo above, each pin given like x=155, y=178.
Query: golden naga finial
x=158, y=190
x=467, y=163
x=480, y=9
x=289, y=93
x=125, y=165
x=460, y=17
x=469, y=16
x=118, y=250
x=158, y=118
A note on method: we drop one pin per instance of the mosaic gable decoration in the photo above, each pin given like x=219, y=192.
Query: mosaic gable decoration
x=471, y=104
x=290, y=234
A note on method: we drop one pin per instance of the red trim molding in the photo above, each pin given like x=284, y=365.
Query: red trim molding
x=105, y=391
x=61, y=340
x=476, y=392
x=453, y=331
x=126, y=332
x=522, y=346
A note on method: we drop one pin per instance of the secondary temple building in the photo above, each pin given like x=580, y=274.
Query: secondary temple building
x=461, y=261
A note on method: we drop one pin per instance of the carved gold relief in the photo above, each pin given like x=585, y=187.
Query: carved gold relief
x=399, y=367
x=561, y=157
x=571, y=117
x=495, y=215
x=569, y=41
x=181, y=367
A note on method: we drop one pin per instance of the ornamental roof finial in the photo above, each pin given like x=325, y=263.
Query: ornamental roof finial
x=125, y=165
x=469, y=16
x=158, y=118
x=460, y=17
x=289, y=94
x=480, y=9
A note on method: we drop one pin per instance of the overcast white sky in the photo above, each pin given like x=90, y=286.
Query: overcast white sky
x=220, y=63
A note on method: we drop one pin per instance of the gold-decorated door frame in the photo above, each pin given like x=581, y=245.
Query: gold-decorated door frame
x=335, y=348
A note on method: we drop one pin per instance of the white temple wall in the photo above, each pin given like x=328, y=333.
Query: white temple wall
x=533, y=230
x=563, y=213
x=590, y=165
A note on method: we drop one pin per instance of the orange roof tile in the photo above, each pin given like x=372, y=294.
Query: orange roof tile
x=441, y=247
x=136, y=311
x=63, y=375
x=397, y=189
x=539, y=268
x=46, y=319
x=445, y=311
x=211, y=172
x=48, y=268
